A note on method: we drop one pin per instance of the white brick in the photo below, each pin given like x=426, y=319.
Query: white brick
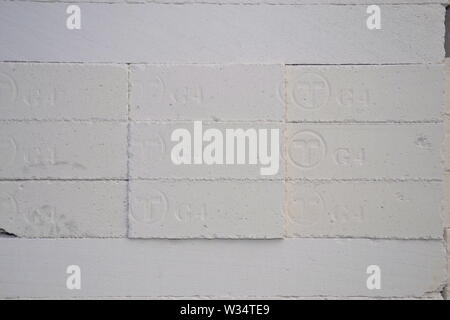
x=206, y=209
x=447, y=289
x=57, y=209
x=63, y=150
x=446, y=200
x=447, y=86
x=63, y=91
x=211, y=92
x=291, y=267
x=162, y=33
x=367, y=151
x=151, y=147
x=364, y=93
x=446, y=143
x=364, y=209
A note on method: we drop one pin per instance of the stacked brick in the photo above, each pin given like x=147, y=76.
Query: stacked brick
x=85, y=149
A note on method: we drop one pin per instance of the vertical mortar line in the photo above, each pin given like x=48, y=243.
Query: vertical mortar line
x=284, y=152
x=128, y=148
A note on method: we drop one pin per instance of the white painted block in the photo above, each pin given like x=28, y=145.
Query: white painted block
x=364, y=209
x=63, y=150
x=151, y=148
x=164, y=33
x=63, y=91
x=446, y=200
x=55, y=209
x=447, y=86
x=446, y=143
x=206, y=209
x=364, y=93
x=363, y=151
x=263, y=268
x=447, y=288
x=207, y=92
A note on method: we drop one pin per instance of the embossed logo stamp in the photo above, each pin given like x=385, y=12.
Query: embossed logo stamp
x=306, y=149
x=310, y=91
x=150, y=208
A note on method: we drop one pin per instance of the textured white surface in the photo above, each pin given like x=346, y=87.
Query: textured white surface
x=364, y=209
x=207, y=92
x=206, y=209
x=271, y=268
x=63, y=150
x=161, y=33
x=62, y=91
x=64, y=208
x=369, y=151
x=151, y=147
x=364, y=93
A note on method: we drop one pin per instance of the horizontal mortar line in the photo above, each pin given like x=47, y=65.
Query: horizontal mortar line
x=14, y=236
x=442, y=62
x=218, y=179
x=105, y=62
x=225, y=179
x=62, y=120
x=364, y=180
x=160, y=239
x=209, y=121
x=211, y=64
x=350, y=3
x=346, y=237
x=231, y=298
x=289, y=179
x=344, y=122
x=63, y=179
x=281, y=238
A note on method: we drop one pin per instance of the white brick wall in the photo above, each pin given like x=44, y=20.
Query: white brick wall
x=85, y=124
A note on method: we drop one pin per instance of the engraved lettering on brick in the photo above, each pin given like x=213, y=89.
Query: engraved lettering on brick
x=307, y=207
x=8, y=89
x=150, y=208
x=185, y=95
x=310, y=91
x=347, y=157
x=40, y=157
x=37, y=97
x=187, y=212
x=41, y=216
x=306, y=149
x=352, y=98
x=46, y=219
x=8, y=151
x=345, y=214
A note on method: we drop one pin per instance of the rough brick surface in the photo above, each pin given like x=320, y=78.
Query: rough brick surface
x=91, y=209
x=291, y=267
x=207, y=92
x=368, y=151
x=364, y=209
x=63, y=91
x=151, y=147
x=206, y=209
x=223, y=34
x=364, y=93
x=61, y=150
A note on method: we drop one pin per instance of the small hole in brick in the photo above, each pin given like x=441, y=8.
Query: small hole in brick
x=447, y=31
